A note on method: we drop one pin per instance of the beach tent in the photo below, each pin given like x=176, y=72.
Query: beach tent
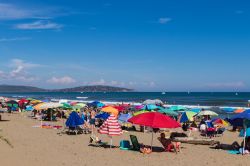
x=154, y=120
x=111, y=127
x=74, y=120
x=155, y=102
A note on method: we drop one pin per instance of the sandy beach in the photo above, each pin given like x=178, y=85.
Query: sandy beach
x=37, y=146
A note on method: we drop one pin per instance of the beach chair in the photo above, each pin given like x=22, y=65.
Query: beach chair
x=75, y=130
x=135, y=144
x=96, y=141
x=220, y=131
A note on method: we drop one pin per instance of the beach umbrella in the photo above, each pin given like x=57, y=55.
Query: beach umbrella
x=30, y=99
x=110, y=110
x=12, y=103
x=237, y=111
x=66, y=106
x=119, y=107
x=29, y=108
x=139, y=112
x=150, y=107
x=187, y=116
x=207, y=113
x=154, y=120
x=35, y=101
x=177, y=108
x=111, y=127
x=96, y=104
x=74, y=120
x=220, y=122
x=168, y=112
x=50, y=105
x=38, y=106
x=197, y=110
x=103, y=116
x=228, y=110
x=139, y=107
x=155, y=102
x=123, y=118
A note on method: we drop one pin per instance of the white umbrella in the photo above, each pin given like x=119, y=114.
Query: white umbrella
x=50, y=105
x=207, y=112
x=155, y=101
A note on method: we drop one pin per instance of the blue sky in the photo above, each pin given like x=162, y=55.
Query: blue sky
x=163, y=45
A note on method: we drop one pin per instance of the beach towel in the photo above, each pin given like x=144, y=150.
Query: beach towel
x=233, y=152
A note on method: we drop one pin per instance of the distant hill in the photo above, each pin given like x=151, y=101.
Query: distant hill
x=17, y=88
x=95, y=88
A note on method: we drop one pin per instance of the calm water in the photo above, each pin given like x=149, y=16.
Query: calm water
x=195, y=98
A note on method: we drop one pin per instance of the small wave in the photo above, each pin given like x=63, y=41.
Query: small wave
x=81, y=97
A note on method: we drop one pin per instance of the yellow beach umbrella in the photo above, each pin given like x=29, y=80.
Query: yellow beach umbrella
x=38, y=106
x=111, y=110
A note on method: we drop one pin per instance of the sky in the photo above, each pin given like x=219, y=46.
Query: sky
x=149, y=45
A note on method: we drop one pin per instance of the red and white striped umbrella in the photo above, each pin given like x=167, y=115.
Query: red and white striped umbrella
x=111, y=127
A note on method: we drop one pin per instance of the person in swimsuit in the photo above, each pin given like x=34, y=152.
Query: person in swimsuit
x=92, y=121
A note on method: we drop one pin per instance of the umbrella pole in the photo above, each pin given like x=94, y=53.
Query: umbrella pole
x=244, y=141
x=111, y=142
x=152, y=140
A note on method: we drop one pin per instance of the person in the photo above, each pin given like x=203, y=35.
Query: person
x=168, y=144
x=234, y=146
x=145, y=149
x=92, y=121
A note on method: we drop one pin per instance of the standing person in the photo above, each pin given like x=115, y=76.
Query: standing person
x=92, y=121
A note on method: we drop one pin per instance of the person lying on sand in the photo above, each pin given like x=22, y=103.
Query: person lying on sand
x=145, y=149
x=234, y=146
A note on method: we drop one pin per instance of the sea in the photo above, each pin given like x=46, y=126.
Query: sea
x=218, y=99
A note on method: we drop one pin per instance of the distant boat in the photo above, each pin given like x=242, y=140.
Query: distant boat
x=188, y=92
x=163, y=93
x=236, y=94
x=81, y=92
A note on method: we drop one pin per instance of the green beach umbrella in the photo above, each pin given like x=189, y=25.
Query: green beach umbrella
x=140, y=112
x=168, y=112
x=177, y=108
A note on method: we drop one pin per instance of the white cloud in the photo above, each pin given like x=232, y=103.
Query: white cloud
x=40, y=24
x=61, y=80
x=164, y=20
x=14, y=39
x=226, y=85
x=19, y=71
x=12, y=12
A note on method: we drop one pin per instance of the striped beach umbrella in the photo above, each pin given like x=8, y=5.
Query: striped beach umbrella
x=111, y=127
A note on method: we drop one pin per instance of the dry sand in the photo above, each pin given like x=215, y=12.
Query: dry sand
x=45, y=147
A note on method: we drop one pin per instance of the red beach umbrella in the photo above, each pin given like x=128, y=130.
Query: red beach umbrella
x=111, y=127
x=154, y=120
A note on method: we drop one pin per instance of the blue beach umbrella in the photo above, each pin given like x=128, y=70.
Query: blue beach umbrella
x=228, y=110
x=103, y=116
x=96, y=104
x=187, y=116
x=123, y=118
x=74, y=120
